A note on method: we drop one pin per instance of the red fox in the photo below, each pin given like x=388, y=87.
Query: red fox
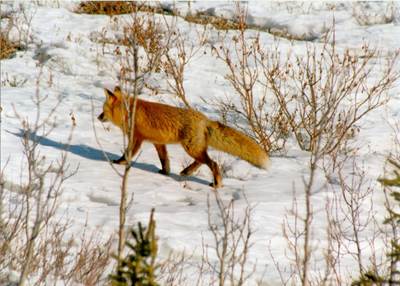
x=164, y=124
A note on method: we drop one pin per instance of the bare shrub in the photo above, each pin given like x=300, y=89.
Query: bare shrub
x=33, y=242
x=351, y=218
x=225, y=258
x=324, y=94
x=144, y=38
x=147, y=32
x=137, y=59
x=368, y=18
x=91, y=259
x=351, y=229
x=42, y=189
x=172, y=270
x=255, y=108
x=175, y=58
x=297, y=227
x=232, y=241
x=164, y=48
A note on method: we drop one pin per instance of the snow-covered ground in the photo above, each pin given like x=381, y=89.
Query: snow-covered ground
x=75, y=70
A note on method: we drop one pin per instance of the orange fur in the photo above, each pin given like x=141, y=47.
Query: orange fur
x=164, y=124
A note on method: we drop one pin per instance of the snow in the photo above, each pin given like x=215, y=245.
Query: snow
x=75, y=71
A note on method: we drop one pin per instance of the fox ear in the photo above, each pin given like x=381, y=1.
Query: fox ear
x=118, y=92
x=110, y=95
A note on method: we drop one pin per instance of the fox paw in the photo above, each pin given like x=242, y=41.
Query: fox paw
x=163, y=172
x=215, y=186
x=119, y=162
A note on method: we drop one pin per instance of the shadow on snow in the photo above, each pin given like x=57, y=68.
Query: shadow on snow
x=91, y=153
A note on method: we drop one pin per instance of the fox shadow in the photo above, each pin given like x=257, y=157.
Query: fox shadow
x=95, y=154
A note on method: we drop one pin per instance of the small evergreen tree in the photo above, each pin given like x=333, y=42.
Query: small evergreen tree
x=392, y=276
x=138, y=267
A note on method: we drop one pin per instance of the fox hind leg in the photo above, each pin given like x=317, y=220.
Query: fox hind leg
x=163, y=155
x=191, y=168
x=201, y=157
x=215, y=170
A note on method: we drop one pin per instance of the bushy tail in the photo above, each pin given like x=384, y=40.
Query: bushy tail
x=236, y=143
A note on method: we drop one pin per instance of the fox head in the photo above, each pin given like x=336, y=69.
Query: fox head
x=112, y=106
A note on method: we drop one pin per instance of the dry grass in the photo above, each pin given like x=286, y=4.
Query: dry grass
x=117, y=8
x=106, y=7
x=7, y=47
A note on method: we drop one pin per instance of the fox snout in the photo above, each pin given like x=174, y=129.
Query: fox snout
x=101, y=117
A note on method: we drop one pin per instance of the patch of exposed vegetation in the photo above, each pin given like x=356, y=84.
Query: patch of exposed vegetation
x=126, y=7
x=217, y=22
x=112, y=8
x=7, y=47
x=201, y=18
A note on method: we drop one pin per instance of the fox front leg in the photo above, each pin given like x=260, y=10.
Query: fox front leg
x=163, y=155
x=122, y=160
